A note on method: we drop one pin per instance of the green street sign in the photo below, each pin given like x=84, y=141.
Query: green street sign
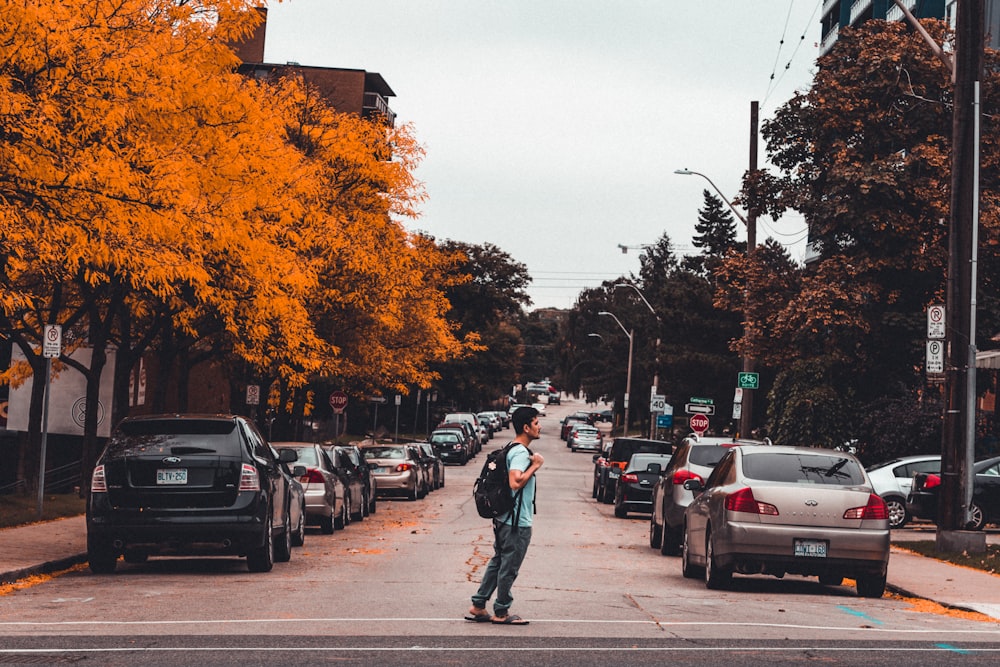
x=748, y=381
x=702, y=401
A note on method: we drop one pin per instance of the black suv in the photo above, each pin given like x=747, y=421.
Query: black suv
x=189, y=485
x=609, y=465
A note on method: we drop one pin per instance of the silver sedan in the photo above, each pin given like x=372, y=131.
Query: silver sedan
x=778, y=510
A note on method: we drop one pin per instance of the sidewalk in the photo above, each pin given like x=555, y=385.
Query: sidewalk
x=48, y=547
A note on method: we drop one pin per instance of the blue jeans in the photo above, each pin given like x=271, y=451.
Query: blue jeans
x=509, y=547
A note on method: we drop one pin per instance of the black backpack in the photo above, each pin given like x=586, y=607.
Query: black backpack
x=492, y=488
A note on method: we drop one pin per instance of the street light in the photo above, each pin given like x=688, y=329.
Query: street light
x=656, y=353
x=688, y=172
x=746, y=407
x=628, y=376
x=597, y=335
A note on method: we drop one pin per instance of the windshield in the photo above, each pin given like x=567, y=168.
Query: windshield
x=803, y=469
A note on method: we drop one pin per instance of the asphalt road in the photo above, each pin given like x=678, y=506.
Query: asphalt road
x=392, y=590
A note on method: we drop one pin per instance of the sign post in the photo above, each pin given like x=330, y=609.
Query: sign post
x=338, y=401
x=51, y=349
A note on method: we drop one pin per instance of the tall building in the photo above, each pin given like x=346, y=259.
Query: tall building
x=352, y=91
x=841, y=13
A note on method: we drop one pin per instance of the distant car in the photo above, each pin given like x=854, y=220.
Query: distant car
x=364, y=472
x=694, y=458
x=354, y=481
x=328, y=503
x=787, y=510
x=296, y=502
x=540, y=407
x=584, y=436
x=922, y=502
x=435, y=466
x=471, y=434
x=893, y=479
x=189, y=485
x=398, y=470
x=451, y=445
x=554, y=398
x=569, y=420
x=608, y=466
x=634, y=490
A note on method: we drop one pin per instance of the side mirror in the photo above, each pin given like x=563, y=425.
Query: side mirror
x=695, y=485
x=299, y=471
x=654, y=468
x=596, y=456
x=288, y=455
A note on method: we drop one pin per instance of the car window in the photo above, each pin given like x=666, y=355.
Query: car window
x=723, y=471
x=708, y=456
x=801, y=468
x=992, y=471
x=384, y=453
x=921, y=466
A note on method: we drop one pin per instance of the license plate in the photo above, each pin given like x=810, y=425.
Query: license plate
x=381, y=471
x=172, y=476
x=810, y=548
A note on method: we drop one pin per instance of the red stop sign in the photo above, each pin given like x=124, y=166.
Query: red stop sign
x=338, y=401
x=699, y=423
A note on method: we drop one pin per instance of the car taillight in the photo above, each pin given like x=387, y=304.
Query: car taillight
x=931, y=481
x=403, y=467
x=875, y=509
x=249, y=479
x=682, y=476
x=743, y=501
x=98, y=482
x=630, y=478
x=312, y=476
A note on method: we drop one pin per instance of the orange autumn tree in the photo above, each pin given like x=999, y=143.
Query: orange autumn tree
x=132, y=176
x=379, y=300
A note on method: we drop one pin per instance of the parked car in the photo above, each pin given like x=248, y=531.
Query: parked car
x=922, y=502
x=608, y=467
x=489, y=422
x=296, y=500
x=353, y=481
x=554, y=397
x=328, y=502
x=787, y=510
x=694, y=458
x=436, y=469
x=569, y=420
x=451, y=445
x=893, y=479
x=364, y=472
x=473, y=422
x=398, y=470
x=584, y=436
x=634, y=490
x=189, y=485
x=471, y=434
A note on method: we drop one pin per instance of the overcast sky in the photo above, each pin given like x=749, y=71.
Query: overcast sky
x=553, y=127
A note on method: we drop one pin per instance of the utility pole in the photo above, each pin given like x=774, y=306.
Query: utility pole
x=960, y=414
x=746, y=410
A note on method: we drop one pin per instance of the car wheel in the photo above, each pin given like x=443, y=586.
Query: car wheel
x=261, y=559
x=359, y=514
x=341, y=520
x=442, y=479
x=327, y=524
x=593, y=493
x=655, y=534
x=101, y=556
x=671, y=544
x=976, y=518
x=687, y=569
x=871, y=585
x=620, y=511
x=366, y=505
x=831, y=579
x=897, y=512
x=283, y=547
x=371, y=504
x=299, y=536
x=716, y=577
x=414, y=494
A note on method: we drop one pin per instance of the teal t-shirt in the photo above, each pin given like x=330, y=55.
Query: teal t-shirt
x=519, y=459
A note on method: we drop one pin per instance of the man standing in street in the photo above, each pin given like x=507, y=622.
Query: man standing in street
x=512, y=531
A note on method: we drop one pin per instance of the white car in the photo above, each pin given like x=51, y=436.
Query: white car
x=892, y=480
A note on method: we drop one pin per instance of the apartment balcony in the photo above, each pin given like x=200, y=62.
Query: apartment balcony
x=376, y=105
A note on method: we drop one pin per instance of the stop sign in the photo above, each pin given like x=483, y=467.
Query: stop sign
x=338, y=401
x=699, y=423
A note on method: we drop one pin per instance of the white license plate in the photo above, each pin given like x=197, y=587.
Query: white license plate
x=172, y=476
x=810, y=548
x=381, y=471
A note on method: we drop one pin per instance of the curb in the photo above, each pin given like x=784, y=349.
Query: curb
x=43, y=568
